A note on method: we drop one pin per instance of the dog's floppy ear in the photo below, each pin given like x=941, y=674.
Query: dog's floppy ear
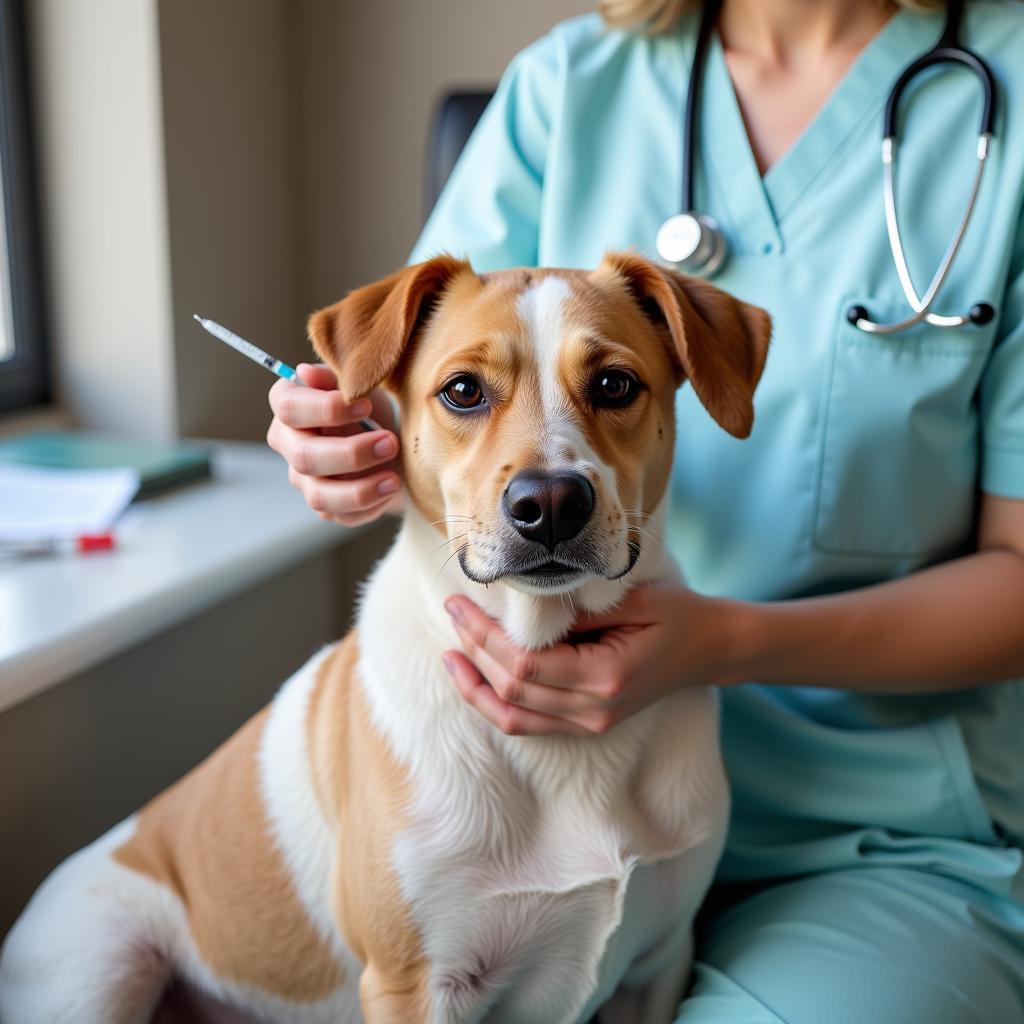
x=718, y=342
x=363, y=337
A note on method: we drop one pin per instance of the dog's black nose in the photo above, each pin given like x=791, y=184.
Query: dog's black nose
x=549, y=507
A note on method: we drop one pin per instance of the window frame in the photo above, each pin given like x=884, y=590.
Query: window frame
x=24, y=378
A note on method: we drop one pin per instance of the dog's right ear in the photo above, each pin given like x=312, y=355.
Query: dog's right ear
x=364, y=336
x=717, y=342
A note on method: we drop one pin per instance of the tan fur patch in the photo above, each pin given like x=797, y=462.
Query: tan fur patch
x=207, y=839
x=366, y=792
x=719, y=343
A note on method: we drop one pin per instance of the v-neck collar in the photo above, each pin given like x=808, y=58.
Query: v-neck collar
x=758, y=205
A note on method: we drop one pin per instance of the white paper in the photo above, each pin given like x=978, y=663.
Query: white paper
x=39, y=504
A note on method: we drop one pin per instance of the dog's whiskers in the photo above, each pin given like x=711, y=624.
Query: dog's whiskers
x=454, y=554
x=656, y=537
x=450, y=540
x=453, y=518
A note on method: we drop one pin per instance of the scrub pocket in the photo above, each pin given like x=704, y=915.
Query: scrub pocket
x=898, y=456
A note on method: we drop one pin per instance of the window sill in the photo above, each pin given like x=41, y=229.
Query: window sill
x=176, y=556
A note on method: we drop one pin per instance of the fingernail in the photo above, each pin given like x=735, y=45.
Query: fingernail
x=362, y=408
x=453, y=609
x=449, y=663
x=388, y=486
x=384, y=448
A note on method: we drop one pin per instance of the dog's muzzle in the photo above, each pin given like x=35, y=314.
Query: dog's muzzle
x=548, y=546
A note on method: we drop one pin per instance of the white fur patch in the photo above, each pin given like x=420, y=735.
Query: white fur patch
x=301, y=833
x=541, y=308
x=526, y=852
x=98, y=942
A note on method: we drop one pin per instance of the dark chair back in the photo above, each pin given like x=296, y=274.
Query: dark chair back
x=454, y=120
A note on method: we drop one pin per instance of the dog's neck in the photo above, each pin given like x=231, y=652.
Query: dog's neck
x=531, y=620
x=403, y=629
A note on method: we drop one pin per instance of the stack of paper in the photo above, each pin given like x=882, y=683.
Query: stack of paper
x=61, y=504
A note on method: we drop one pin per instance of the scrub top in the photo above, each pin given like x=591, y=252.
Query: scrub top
x=867, y=453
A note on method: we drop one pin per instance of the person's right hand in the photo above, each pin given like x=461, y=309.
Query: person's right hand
x=344, y=473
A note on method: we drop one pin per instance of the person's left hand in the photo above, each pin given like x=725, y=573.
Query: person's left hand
x=658, y=640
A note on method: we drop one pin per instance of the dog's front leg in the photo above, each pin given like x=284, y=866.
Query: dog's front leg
x=393, y=998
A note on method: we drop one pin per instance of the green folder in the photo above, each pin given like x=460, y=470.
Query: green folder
x=160, y=466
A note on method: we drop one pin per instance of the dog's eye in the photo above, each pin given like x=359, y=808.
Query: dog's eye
x=613, y=389
x=463, y=393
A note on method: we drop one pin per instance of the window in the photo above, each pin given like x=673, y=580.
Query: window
x=23, y=369
x=6, y=330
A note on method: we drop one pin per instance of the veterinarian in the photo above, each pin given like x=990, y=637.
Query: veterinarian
x=857, y=565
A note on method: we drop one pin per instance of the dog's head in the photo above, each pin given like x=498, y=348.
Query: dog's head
x=537, y=405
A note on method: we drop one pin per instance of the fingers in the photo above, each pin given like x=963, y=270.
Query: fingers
x=563, y=666
x=350, y=501
x=511, y=720
x=317, y=375
x=315, y=432
x=633, y=610
x=369, y=515
x=579, y=705
x=316, y=455
x=312, y=408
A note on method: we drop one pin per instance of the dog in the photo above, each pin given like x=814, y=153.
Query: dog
x=369, y=848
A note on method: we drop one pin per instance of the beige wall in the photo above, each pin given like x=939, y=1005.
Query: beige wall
x=231, y=145
x=370, y=74
x=247, y=159
x=96, y=85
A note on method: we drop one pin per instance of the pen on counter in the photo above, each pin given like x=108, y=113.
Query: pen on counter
x=268, y=362
x=83, y=544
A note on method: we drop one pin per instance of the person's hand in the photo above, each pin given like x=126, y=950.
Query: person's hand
x=658, y=640
x=344, y=473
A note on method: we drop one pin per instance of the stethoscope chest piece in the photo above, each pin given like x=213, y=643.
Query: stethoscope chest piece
x=693, y=243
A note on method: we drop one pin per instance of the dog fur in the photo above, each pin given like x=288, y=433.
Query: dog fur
x=369, y=847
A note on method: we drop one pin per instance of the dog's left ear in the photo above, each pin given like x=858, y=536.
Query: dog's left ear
x=718, y=342
x=364, y=336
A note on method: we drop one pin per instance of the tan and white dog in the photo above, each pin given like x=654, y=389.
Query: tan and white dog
x=368, y=847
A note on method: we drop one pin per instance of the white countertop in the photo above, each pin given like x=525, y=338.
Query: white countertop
x=176, y=555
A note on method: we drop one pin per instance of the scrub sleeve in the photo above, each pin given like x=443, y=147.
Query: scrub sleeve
x=874, y=872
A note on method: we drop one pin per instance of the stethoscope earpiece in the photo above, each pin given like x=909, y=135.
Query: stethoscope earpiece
x=855, y=314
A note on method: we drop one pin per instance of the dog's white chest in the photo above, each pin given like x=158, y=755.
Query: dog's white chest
x=538, y=873
x=546, y=957
x=538, y=916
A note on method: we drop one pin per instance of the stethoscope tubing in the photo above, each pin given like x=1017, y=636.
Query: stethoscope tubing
x=921, y=306
x=695, y=244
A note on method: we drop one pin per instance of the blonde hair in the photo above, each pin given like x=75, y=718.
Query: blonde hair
x=657, y=16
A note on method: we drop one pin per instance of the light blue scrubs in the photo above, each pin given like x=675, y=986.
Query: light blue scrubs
x=874, y=868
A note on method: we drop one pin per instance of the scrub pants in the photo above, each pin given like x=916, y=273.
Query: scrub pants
x=859, y=945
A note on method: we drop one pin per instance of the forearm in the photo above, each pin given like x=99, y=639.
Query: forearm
x=955, y=625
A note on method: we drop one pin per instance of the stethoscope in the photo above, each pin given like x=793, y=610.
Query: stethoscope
x=693, y=242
